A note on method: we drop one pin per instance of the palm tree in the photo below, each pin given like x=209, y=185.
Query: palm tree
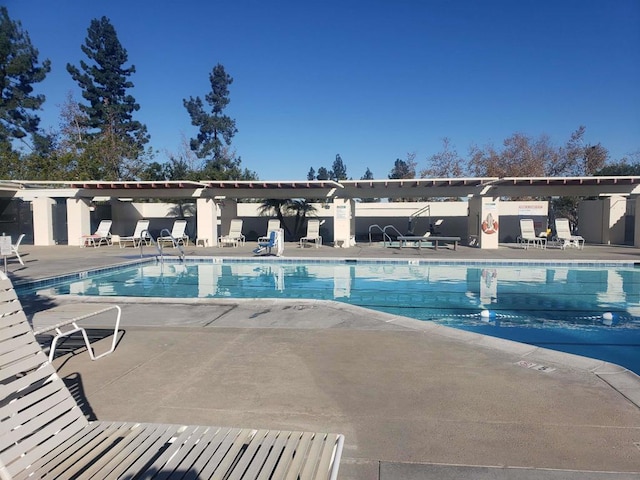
x=299, y=208
x=275, y=206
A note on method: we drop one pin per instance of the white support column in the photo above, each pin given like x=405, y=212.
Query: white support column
x=207, y=219
x=43, y=221
x=484, y=218
x=78, y=220
x=636, y=230
x=343, y=222
x=614, y=211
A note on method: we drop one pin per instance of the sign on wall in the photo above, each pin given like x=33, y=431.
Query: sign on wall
x=532, y=210
x=5, y=245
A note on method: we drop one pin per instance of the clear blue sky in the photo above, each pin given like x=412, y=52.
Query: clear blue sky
x=369, y=79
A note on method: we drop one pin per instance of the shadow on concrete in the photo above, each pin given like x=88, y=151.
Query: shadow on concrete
x=73, y=381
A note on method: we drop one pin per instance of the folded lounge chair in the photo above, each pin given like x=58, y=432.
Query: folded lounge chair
x=235, y=236
x=313, y=234
x=44, y=434
x=136, y=239
x=177, y=236
x=15, y=247
x=528, y=235
x=564, y=236
x=102, y=235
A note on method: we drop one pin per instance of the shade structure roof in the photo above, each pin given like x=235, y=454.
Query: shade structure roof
x=415, y=187
x=324, y=189
x=566, y=186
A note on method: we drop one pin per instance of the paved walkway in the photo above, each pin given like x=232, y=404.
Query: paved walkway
x=414, y=400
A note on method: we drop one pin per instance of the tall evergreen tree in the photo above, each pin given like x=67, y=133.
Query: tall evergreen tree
x=311, y=175
x=338, y=169
x=404, y=169
x=323, y=174
x=19, y=70
x=216, y=130
x=368, y=175
x=116, y=142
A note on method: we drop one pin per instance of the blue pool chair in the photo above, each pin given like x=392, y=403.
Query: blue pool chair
x=268, y=245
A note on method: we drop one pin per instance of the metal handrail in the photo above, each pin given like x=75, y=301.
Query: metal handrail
x=173, y=240
x=386, y=235
x=378, y=227
x=146, y=234
x=417, y=214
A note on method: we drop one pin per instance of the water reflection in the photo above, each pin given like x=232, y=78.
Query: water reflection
x=434, y=292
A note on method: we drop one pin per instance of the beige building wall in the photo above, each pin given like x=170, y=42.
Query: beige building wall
x=603, y=220
x=617, y=208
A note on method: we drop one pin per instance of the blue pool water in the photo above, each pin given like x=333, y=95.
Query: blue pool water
x=589, y=311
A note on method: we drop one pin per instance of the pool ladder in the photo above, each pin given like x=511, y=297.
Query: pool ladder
x=146, y=234
x=385, y=236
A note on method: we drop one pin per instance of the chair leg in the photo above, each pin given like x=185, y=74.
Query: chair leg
x=15, y=252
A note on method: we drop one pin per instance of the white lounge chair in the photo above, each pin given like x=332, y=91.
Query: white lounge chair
x=44, y=433
x=15, y=247
x=313, y=234
x=177, y=236
x=528, y=235
x=102, y=235
x=272, y=226
x=62, y=321
x=235, y=236
x=564, y=236
x=136, y=239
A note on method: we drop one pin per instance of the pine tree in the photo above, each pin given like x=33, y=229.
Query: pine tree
x=338, y=169
x=367, y=175
x=311, y=175
x=323, y=174
x=19, y=70
x=216, y=130
x=116, y=142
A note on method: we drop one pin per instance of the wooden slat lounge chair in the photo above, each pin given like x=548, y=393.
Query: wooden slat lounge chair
x=44, y=434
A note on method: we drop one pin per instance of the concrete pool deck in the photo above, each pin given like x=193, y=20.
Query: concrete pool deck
x=414, y=400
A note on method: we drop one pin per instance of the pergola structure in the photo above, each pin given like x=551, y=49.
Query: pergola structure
x=492, y=187
x=483, y=194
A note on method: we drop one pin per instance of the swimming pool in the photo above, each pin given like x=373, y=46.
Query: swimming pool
x=588, y=310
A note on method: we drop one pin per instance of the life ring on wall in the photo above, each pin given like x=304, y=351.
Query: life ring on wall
x=490, y=225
